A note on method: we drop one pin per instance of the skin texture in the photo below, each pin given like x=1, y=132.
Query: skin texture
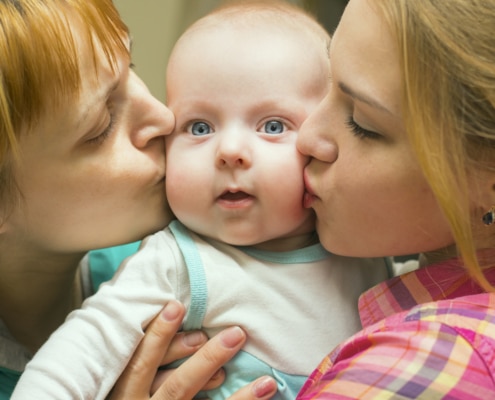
x=250, y=178
x=364, y=183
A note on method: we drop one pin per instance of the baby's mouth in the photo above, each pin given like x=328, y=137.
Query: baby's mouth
x=234, y=196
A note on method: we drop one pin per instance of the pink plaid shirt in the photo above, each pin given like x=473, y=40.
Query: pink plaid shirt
x=428, y=334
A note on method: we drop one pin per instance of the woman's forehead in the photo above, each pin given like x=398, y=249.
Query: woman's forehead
x=364, y=58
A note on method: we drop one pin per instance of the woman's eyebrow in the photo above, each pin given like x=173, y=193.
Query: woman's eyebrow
x=98, y=99
x=363, y=98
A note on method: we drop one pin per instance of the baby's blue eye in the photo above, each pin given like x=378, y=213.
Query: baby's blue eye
x=200, y=128
x=274, y=126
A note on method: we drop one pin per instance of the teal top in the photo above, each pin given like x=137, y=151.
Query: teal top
x=104, y=262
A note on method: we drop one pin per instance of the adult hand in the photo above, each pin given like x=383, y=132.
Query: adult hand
x=161, y=345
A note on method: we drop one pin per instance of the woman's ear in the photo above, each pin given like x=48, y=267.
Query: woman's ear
x=483, y=193
x=489, y=194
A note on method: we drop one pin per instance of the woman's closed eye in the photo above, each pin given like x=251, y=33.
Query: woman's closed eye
x=107, y=131
x=359, y=131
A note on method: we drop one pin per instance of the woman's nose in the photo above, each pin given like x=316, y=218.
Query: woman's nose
x=149, y=117
x=157, y=121
x=315, y=138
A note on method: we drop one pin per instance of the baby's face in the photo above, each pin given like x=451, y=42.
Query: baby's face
x=239, y=97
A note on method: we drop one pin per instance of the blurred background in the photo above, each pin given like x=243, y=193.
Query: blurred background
x=156, y=24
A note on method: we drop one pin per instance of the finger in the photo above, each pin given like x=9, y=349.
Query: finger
x=261, y=389
x=193, y=375
x=135, y=381
x=214, y=382
x=184, y=344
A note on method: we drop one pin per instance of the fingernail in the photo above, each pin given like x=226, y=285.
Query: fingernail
x=264, y=387
x=231, y=337
x=171, y=311
x=193, y=339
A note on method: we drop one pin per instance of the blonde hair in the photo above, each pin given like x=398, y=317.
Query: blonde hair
x=39, y=67
x=448, y=63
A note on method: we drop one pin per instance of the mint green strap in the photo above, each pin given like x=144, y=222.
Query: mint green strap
x=197, y=278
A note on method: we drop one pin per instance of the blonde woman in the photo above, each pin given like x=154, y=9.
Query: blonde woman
x=403, y=162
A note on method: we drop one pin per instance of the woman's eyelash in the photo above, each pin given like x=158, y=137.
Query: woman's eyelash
x=359, y=131
x=105, y=134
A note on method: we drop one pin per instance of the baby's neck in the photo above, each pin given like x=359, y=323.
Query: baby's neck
x=289, y=243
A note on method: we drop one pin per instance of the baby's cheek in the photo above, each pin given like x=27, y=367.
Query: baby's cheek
x=181, y=187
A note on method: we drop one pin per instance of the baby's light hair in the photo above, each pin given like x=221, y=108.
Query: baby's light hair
x=245, y=12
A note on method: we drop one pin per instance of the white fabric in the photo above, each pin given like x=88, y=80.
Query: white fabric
x=400, y=268
x=293, y=313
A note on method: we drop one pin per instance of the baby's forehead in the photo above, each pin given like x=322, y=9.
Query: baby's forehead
x=247, y=57
x=222, y=41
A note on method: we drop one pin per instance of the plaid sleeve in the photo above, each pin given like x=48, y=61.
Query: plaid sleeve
x=433, y=353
